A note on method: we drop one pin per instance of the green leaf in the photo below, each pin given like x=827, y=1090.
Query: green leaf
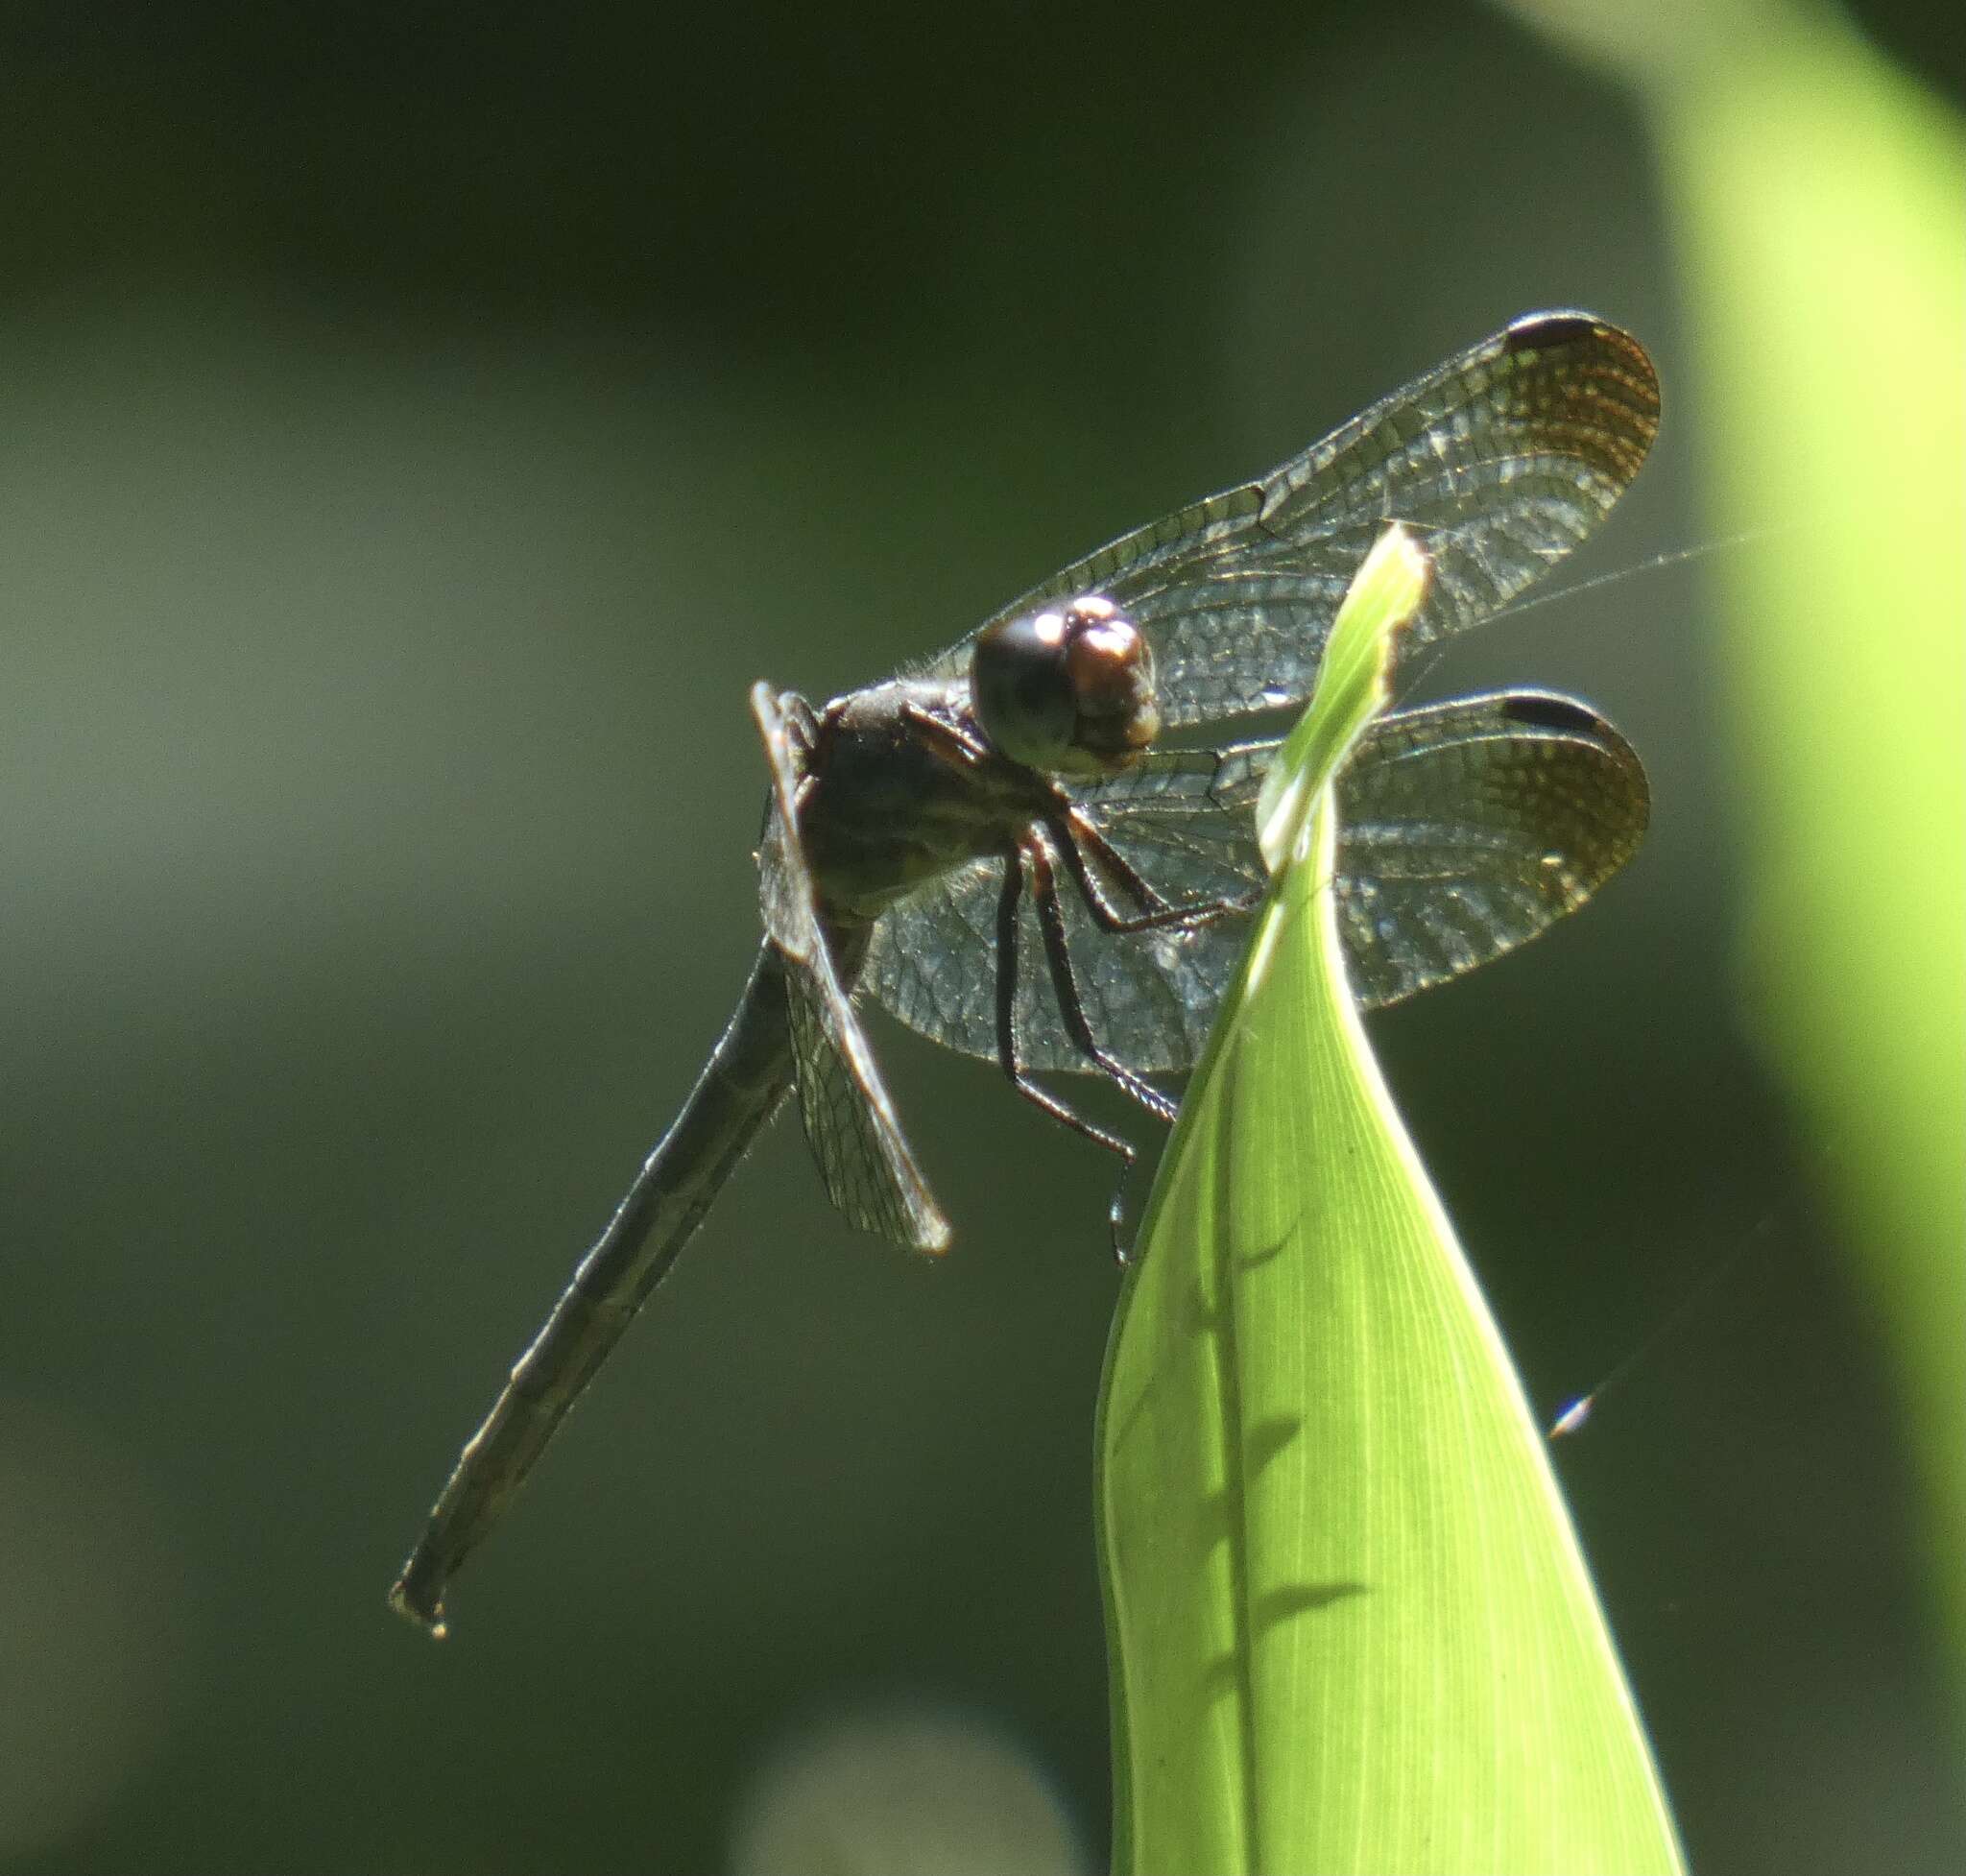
x=1349, y=1625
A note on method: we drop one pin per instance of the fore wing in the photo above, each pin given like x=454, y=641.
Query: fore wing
x=1504, y=457
x=1466, y=828
x=850, y=1120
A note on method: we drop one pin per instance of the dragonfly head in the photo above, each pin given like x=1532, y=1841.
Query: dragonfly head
x=1069, y=689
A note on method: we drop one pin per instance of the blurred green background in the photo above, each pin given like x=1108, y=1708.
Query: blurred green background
x=418, y=425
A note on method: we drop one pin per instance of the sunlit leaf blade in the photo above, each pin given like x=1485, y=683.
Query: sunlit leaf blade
x=1351, y=691
x=1349, y=1625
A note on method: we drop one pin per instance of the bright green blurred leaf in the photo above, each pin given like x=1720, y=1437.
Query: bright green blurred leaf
x=1830, y=296
x=1820, y=197
x=1350, y=1628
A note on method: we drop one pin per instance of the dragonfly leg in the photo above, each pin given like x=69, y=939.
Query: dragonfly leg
x=1037, y=850
x=1007, y=905
x=1077, y=835
x=953, y=738
x=1007, y=1055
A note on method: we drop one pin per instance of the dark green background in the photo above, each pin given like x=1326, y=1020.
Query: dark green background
x=417, y=426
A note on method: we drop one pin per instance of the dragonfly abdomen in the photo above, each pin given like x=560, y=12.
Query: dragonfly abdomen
x=748, y=1075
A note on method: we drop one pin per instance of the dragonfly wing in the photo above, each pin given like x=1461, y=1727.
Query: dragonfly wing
x=933, y=959
x=1469, y=828
x=1505, y=457
x=850, y=1120
x=1184, y=820
x=1465, y=830
x=1150, y=997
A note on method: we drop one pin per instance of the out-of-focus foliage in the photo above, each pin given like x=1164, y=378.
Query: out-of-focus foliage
x=1820, y=199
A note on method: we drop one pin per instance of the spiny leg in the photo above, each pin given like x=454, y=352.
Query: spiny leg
x=1071, y=1006
x=1008, y=903
x=1036, y=849
x=1076, y=834
x=954, y=739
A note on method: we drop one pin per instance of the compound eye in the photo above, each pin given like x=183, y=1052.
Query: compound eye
x=1070, y=688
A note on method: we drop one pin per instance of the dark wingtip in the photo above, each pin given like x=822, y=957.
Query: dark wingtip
x=1565, y=326
x=1552, y=331
x=1547, y=709
x=1550, y=709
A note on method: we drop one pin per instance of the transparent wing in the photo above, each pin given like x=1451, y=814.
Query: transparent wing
x=1465, y=830
x=1150, y=996
x=850, y=1121
x=1184, y=820
x=1506, y=456
x=1470, y=828
x=932, y=960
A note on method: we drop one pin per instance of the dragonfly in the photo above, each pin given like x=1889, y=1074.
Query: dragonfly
x=1012, y=849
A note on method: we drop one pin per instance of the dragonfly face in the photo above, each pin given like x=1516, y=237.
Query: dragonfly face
x=1069, y=690
x=998, y=850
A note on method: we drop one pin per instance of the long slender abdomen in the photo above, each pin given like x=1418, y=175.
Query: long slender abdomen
x=745, y=1077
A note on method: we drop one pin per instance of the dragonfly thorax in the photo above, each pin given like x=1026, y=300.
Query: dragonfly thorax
x=900, y=786
x=1069, y=689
